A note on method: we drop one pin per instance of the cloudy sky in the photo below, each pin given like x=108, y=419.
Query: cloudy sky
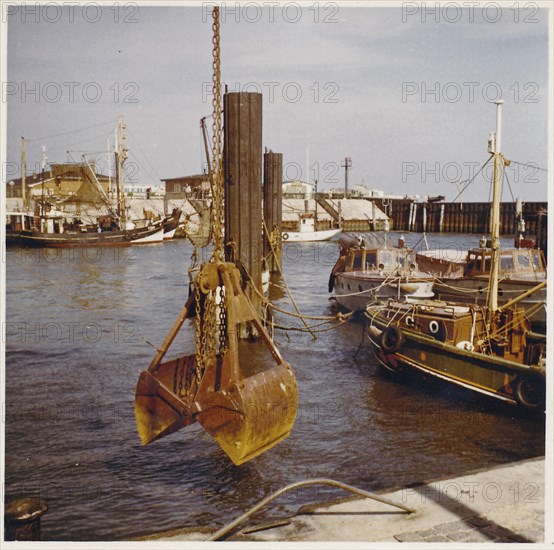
x=406, y=93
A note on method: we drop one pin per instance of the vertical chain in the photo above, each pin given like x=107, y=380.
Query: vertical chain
x=200, y=349
x=217, y=156
x=206, y=316
x=222, y=323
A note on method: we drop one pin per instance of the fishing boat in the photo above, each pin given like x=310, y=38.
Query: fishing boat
x=63, y=222
x=308, y=232
x=466, y=279
x=364, y=274
x=55, y=234
x=171, y=223
x=489, y=350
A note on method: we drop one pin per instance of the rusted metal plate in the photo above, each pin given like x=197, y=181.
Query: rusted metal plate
x=161, y=403
x=252, y=415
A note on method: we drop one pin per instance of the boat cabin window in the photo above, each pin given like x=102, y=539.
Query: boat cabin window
x=471, y=263
x=357, y=261
x=523, y=261
x=371, y=260
x=479, y=264
x=487, y=268
x=506, y=263
x=529, y=260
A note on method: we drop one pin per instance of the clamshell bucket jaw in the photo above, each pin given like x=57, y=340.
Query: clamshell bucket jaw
x=246, y=415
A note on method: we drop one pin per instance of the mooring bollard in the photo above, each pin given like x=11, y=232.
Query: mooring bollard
x=22, y=518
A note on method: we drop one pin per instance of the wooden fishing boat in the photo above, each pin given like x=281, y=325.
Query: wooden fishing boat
x=488, y=349
x=459, y=345
x=137, y=235
x=365, y=274
x=60, y=223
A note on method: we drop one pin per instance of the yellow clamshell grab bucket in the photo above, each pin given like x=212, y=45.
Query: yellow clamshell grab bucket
x=245, y=415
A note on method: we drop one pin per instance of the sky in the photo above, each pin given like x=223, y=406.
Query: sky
x=406, y=92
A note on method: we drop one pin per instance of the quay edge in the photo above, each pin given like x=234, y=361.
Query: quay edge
x=505, y=503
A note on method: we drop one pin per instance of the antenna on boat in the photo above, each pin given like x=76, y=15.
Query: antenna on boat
x=43, y=158
x=492, y=302
x=23, y=172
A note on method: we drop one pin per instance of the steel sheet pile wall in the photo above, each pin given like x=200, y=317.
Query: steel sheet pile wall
x=470, y=217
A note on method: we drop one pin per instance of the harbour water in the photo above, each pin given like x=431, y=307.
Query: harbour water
x=82, y=324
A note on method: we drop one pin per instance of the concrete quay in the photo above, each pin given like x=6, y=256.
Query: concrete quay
x=504, y=504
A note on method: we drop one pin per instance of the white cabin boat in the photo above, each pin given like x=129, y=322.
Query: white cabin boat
x=363, y=275
x=308, y=231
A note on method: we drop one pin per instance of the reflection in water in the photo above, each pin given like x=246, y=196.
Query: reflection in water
x=76, y=343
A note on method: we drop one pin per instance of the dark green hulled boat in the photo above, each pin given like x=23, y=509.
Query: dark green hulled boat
x=454, y=343
x=489, y=350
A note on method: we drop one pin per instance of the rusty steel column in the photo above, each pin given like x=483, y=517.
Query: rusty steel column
x=242, y=159
x=22, y=519
x=273, y=206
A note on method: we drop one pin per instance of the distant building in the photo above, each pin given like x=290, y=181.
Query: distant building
x=297, y=189
x=187, y=186
x=60, y=180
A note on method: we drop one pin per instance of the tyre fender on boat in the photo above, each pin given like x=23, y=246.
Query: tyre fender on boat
x=337, y=268
x=392, y=339
x=530, y=391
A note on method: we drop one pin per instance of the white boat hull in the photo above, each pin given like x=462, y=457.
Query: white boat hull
x=170, y=234
x=309, y=236
x=355, y=290
x=156, y=237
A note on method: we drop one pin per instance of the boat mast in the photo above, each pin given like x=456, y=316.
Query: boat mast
x=492, y=302
x=206, y=147
x=315, y=195
x=23, y=172
x=42, y=167
x=121, y=157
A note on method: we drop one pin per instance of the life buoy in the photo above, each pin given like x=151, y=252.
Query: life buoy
x=410, y=321
x=438, y=330
x=530, y=391
x=392, y=339
x=285, y=236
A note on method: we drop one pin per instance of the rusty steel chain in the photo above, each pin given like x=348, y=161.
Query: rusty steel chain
x=217, y=135
x=208, y=320
x=200, y=348
x=222, y=324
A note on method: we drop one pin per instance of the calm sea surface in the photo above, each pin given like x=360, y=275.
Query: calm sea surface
x=78, y=327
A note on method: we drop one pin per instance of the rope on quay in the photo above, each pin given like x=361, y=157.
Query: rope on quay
x=317, y=481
